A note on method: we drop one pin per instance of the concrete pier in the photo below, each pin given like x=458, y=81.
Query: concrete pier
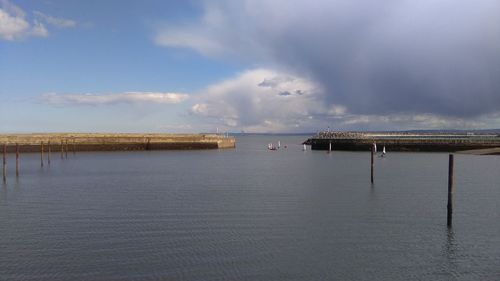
x=117, y=142
x=359, y=141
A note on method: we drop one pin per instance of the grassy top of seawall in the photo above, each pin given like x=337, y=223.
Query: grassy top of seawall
x=120, y=141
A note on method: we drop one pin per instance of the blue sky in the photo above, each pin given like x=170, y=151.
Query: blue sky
x=257, y=66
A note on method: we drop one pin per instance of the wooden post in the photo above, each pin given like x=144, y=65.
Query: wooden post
x=66, y=150
x=17, y=160
x=62, y=149
x=330, y=147
x=372, y=163
x=4, y=163
x=48, y=154
x=41, y=154
x=74, y=147
x=449, y=217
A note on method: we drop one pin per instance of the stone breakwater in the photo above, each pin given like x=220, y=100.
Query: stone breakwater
x=114, y=142
x=359, y=141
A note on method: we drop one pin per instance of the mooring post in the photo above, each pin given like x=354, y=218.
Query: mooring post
x=330, y=147
x=372, y=162
x=66, y=150
x=41, y=154
x=449, y=217
x=74, y=147
x=17, y=160
x=4, y=169
x=62, y=149
x=48, y=154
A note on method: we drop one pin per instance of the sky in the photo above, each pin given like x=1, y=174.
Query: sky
x=248, y=65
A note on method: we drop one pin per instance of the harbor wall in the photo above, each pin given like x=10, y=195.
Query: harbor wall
x=428, y=143
x=115, y=142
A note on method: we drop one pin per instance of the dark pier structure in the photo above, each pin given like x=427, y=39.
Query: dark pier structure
x=404, y=141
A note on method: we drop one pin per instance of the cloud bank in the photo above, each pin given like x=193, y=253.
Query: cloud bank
x=111, y=99
x=264, y=100
x=260, y=100
x=412, y=60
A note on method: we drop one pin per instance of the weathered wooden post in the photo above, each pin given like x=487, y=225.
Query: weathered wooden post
x=66, y=150
x=48, y=154
x=372, y=162
x=17, y=160
x=62, y=149
x=74, y=147
x=4, y=169
x=41, y=154
x=449, y=217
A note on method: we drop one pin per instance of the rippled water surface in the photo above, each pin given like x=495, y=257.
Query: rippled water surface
x=249, y=214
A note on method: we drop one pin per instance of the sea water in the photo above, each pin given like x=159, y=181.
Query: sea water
x=249, y=214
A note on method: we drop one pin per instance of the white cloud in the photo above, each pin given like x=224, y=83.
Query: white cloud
x=261, y=100
x=14, y=24
x=110, y=99
x=39, y=30
x=57, y=22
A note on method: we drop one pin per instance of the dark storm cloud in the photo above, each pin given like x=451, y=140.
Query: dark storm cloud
x=374, y=57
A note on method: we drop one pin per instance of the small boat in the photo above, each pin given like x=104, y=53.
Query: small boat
x=271, y=146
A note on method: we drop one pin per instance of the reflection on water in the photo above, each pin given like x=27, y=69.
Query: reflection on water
x=451, y=246
x=3, y=194
x=450, y=251
x=249, y=214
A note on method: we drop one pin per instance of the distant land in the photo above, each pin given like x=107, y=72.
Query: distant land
x=271, y=134
x=478, y=132
x=433, y=131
